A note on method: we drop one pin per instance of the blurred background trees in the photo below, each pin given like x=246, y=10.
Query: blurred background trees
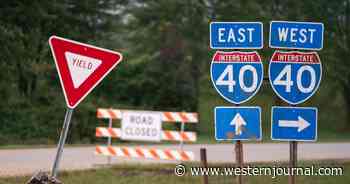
x=166, y=61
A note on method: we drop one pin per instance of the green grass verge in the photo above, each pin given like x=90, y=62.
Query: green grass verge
x=164, y=174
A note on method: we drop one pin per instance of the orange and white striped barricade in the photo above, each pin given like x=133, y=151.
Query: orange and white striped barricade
x=145, y=153
x=148, y=153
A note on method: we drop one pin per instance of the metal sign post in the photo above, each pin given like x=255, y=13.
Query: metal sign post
x=62, y=141
x=293, y=152
x=182, y=132
x=239, y=159
x=110, y=124
x=203, y=154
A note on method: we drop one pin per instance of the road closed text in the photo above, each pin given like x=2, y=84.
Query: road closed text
x=141, y=126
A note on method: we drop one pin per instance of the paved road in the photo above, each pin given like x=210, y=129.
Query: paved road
x=28, y=161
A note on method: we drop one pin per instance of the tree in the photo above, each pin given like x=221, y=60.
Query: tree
x=29, y=82
x=163, y=35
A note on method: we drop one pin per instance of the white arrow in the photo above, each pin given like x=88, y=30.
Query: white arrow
x=238, y=121
x=301, y=123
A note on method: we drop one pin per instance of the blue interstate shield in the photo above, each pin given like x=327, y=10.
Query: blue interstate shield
x=295, y=76
x=236, y=76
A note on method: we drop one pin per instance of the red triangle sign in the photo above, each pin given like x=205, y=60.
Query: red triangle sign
x=81, y=67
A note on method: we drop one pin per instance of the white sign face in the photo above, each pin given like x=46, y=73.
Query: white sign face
x=81, y=67
x=141, y=126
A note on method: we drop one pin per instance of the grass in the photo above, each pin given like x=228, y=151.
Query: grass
x=164, y=174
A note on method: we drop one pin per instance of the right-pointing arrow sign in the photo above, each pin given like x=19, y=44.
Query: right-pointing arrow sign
x=294, y=123
x=301, y=123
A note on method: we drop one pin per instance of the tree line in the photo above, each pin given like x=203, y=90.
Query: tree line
x=166, y=56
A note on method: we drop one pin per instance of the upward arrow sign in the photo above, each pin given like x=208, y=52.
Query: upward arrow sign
x=238, y=122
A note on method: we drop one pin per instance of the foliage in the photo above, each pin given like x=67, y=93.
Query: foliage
x=166, y=59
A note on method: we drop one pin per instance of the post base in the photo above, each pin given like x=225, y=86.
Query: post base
x=43, y=178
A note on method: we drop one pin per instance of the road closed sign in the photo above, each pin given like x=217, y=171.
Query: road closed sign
x=141, y=126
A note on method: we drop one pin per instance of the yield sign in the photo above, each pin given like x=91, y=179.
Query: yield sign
x=81, y=67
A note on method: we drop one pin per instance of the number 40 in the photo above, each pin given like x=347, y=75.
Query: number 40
x=231, y=83
x=288, y=83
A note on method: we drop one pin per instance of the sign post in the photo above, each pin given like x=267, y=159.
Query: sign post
x=109, y=141
x=295, y=77
x=81, y=68
x=293, y=152
x=239, y=159
x=237, y=77
x=61, y=141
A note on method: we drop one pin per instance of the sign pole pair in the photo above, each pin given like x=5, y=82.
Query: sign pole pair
x=294, y=76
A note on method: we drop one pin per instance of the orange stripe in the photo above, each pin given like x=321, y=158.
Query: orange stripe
x=139, y=152
x=98, y=132
x=112, y=133
x=183, y=117
x=169, y=155
x=126, y=152
x=168, y=116
x=184, y=136
x=111, y=150
x=154, y=153
x=168, y=135
x=184, y=156
x=99, y=114
x=98, y=150
x=111, y=114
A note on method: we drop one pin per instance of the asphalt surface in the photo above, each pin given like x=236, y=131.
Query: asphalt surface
x=19, y=162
